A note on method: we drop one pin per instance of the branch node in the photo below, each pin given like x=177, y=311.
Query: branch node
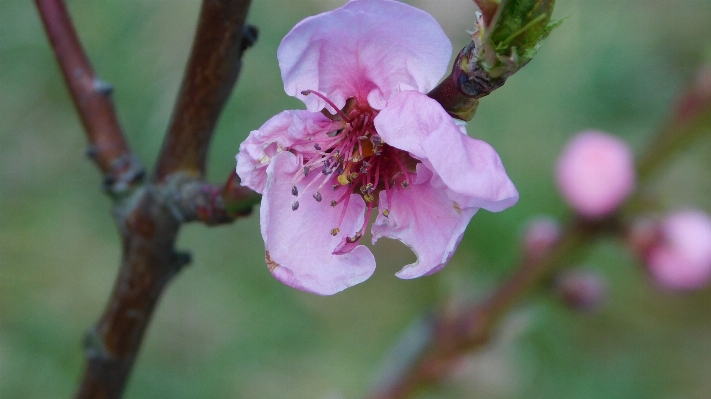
x=249, y=37
x=181, y=259
x=106, y=89
x=126, y=173
x=94, y=346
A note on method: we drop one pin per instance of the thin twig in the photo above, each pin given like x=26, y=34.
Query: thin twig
x=212, y=71
x=92, y=98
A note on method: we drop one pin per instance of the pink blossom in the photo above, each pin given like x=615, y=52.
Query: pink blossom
x=680, y=255
x=595, y=173
x=380, y=146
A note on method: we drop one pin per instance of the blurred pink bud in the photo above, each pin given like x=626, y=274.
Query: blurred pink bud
x=595, y=173
x=680, y=256
x=540, y=234
x=581, y=289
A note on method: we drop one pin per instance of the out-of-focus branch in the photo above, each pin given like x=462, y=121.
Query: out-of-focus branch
x=92, y=98
x=449, y=335
x=691, y=117
x=211, y=73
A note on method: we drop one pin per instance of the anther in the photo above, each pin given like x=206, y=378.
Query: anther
x=352, y=177
x=354, y=238
x=317, y=147
x=335, y=187
x=356, y=158
x=334, y=203
x=306, y=171
x=317, y=196
x=335, y=231
x=405, y=183
x=368, y=198
x=327, y=171
x=386, y=212
x=295, y=205
x=294, y=191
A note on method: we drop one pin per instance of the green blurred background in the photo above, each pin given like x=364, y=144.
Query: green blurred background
x=227, y=329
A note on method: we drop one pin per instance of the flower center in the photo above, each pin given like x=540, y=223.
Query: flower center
x=352, y=159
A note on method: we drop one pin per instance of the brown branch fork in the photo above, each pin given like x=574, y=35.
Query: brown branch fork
x=149, y=215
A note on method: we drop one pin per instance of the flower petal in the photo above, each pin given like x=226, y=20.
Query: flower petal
x=276, y=134
x=427, y=221
x=470, y=168
x=367, y=49
x=298, y=243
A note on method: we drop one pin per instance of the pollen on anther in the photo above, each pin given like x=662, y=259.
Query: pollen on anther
x=368, y=198
x=386, y=212
x=294, y=191
x=295, y=205
x=335, y=231
x=354, y=238
x=317, y=196
x=334, y=203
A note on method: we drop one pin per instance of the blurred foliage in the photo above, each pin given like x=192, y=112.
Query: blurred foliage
x=226, y=328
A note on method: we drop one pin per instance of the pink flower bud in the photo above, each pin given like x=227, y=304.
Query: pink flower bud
x=680, y=256
x=540, y=234
x=581, y=289
x=595, y=173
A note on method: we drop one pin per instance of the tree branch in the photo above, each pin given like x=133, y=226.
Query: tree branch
x=92, y=99
x=150, y=217
x=212, y=71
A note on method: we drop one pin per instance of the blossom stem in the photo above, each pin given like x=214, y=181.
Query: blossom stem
x=449, y=335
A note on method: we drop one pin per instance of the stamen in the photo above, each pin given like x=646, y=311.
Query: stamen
x=338, y=111
x=306, y=171
x=317, y=147
x=335, y=231
x=295, y=205
x=354, y=238
x=317, y=196
x=294, y=191
x=334, y=203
